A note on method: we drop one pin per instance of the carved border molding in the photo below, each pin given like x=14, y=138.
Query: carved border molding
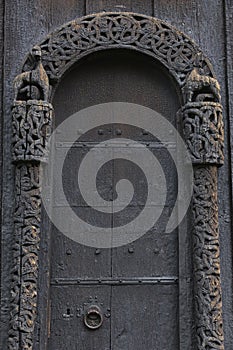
x=201, y=120
x=208, y=299
x=175, y=50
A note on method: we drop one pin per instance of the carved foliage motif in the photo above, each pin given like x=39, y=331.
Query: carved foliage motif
x=208, y=299
x=108, y=30
x=32, y=125
x=25, y=254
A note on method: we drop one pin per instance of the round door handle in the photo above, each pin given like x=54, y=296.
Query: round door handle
x=93, y=317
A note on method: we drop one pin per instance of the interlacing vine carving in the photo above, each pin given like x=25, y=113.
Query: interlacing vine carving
x=201, y=120
x=208, y=299
x=32, y=126
x=172, y=48
x=203, y=131
x=25, y=254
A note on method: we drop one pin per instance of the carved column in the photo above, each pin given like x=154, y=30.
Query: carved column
x=32, y=124
x=203, y=132
x=201, y=116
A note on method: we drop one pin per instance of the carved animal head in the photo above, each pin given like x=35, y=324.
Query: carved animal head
x=36, y=53
x=201, y=88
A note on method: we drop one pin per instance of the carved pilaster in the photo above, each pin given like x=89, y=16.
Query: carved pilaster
x=201, y=118
x=31, y=128
x=32, y=125
x=203, y=132
x=25, y=255
x=206, y=260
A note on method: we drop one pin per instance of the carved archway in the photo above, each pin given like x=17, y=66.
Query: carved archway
x=201, y=119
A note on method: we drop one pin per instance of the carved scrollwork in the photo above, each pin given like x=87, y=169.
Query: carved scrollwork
x=208, y=299
x=118, y=30
x=202, y=125
x=25, y=254
x=203, y=131
x=32, y=126
x=201, y=118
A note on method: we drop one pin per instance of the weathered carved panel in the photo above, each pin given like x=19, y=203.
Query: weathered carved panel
x=32, y=125
x=33, y=84
x=113, y=30
x=202, y=124
x=200, y=88
x=25, y=271
x=208, y=298
x=201, y=117
x=203, y=131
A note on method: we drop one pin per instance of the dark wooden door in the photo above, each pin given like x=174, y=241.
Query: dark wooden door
x=130, y=78
x=136, y=285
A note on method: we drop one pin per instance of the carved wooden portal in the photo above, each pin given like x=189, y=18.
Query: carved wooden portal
x=201, y=120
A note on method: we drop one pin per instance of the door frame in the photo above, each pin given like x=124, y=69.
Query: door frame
x=200, y=118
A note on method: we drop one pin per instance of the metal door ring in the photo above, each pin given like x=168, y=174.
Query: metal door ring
x=93, y=317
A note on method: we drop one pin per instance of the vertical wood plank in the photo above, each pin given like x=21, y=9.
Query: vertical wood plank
x=203, y=21
x=227, y=262
x=61, y=11
x=144, y=317
x=145, y=7
x=68, y=306
x=2, y=296
x=106, y=5
x=27, y=22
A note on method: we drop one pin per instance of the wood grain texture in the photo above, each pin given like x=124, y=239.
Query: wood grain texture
x=144, y=318
x=67, y=310
x=204, y=22
x=226, y=257
x=130, y=77
x=138, y=6
x=2, y=296
x=26, y=24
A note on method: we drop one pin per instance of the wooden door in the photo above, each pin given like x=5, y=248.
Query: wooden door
x=131, y=78
x=135, y=286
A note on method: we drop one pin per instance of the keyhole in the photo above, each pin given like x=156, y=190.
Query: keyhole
x=68, y=314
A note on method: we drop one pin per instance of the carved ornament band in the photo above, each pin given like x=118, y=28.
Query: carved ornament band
x=203, y=131
x=32, y=125
x=201, y=119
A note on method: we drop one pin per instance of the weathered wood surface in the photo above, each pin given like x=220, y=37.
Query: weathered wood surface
x=226, y=179
x=135, y=78
x=2, y=274
x=138, y=6
x=27, y=23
